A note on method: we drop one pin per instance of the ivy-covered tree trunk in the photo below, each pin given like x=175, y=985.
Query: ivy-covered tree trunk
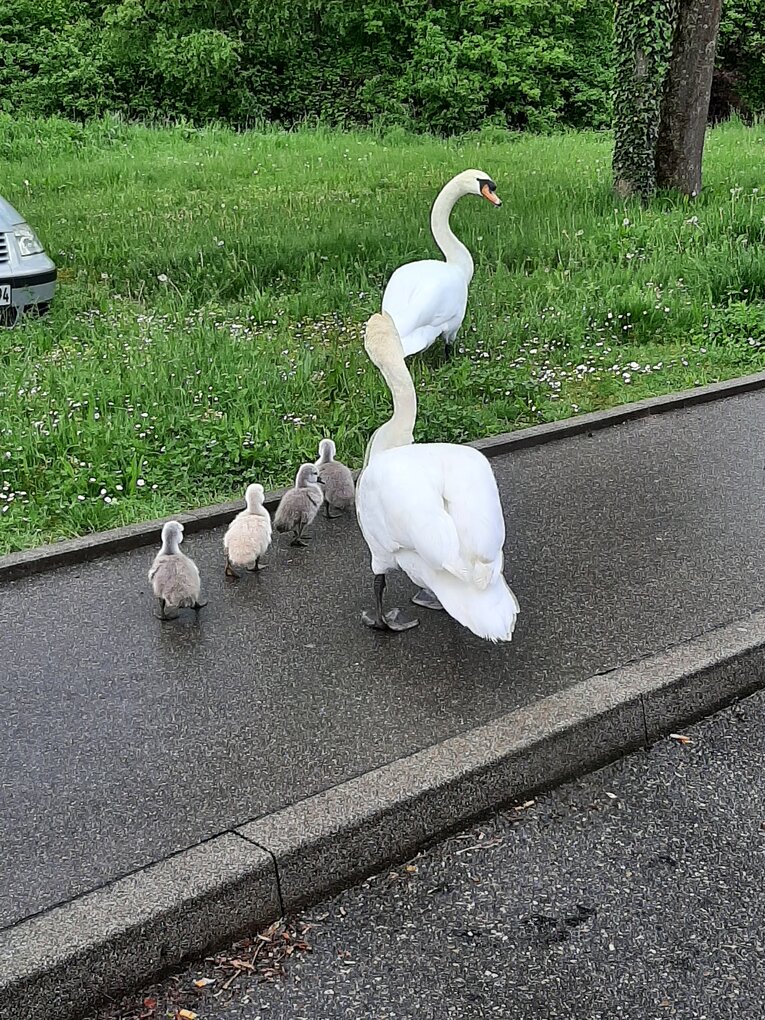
x=685, y=103
x=643, y=32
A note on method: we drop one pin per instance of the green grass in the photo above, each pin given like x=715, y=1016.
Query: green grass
x=214, y=285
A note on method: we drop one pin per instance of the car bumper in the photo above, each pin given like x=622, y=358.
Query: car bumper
x=31, y=290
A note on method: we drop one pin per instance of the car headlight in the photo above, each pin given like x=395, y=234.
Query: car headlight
x=27, y=240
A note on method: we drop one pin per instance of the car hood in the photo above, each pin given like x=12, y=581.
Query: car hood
x=8, y=215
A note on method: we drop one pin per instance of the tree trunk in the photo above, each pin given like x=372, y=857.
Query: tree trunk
x=643, y=31
x=685, y=103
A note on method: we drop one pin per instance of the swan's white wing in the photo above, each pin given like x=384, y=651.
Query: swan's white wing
x=425, y=299
x=400, y=506
x=472, y=501
x=433, y=495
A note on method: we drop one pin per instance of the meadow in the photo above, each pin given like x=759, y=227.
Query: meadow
x=214, y=285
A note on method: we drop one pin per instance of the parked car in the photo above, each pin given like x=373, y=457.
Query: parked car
x=27, y=275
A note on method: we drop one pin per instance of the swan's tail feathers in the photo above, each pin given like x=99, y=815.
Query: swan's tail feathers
x=488, y=612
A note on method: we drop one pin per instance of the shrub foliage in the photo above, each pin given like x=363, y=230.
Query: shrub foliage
x=445, y=67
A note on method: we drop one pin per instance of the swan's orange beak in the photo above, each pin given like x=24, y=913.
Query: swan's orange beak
x=492, y=196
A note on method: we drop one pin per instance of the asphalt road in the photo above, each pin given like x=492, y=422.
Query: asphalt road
x=123, y=740
x=637, y=893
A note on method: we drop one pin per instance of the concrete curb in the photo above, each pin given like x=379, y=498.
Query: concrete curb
x=89, y=547
x=337, y=837
x=61, y=962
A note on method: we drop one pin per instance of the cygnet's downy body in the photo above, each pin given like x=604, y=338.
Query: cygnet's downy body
x=299, y=506
x=174, y=576
x=249, y=534
x=339, y=490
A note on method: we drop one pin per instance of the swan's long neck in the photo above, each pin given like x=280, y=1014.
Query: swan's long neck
x=454, y=250
x=170, y=546
x=399, y=430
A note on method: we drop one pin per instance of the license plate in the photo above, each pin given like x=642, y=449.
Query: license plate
x=5, y=294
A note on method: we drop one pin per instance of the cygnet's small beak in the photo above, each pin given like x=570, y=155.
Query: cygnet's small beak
x=321, y=481
x=490, y=195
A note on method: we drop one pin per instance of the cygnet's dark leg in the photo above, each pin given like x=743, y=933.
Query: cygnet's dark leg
x=298, y=539
x=426, y=599
x=394, y=619
x=199, y=605
x=163, y=613
x=330, y=517
x=258, y=566
x=448, y=347
x=230, y=572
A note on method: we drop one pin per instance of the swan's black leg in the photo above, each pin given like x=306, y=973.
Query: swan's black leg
x=163, y=614
x=394, y=619
x=298, y=539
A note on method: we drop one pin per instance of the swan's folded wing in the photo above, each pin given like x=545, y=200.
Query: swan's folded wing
x=403, y=506
x=427, y=293
x=472, y=501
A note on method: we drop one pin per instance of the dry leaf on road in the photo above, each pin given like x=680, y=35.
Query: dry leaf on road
x=242, y=965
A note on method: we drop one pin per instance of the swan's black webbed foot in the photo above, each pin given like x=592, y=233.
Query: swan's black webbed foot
x=426, y=599
x=393, y=620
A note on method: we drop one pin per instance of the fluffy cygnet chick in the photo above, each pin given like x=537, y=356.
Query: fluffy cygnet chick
x=248, y=535
x=299, y=506
x=339, y=491
x=174, y=577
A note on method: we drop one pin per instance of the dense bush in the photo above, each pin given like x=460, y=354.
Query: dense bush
x=446, y=67
x=740, y=80
x=50, y=59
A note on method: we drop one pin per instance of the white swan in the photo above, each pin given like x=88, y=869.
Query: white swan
x=428, y=299
x=432, y=510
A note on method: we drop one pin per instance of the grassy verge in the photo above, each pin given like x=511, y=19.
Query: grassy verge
x=213, y=288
